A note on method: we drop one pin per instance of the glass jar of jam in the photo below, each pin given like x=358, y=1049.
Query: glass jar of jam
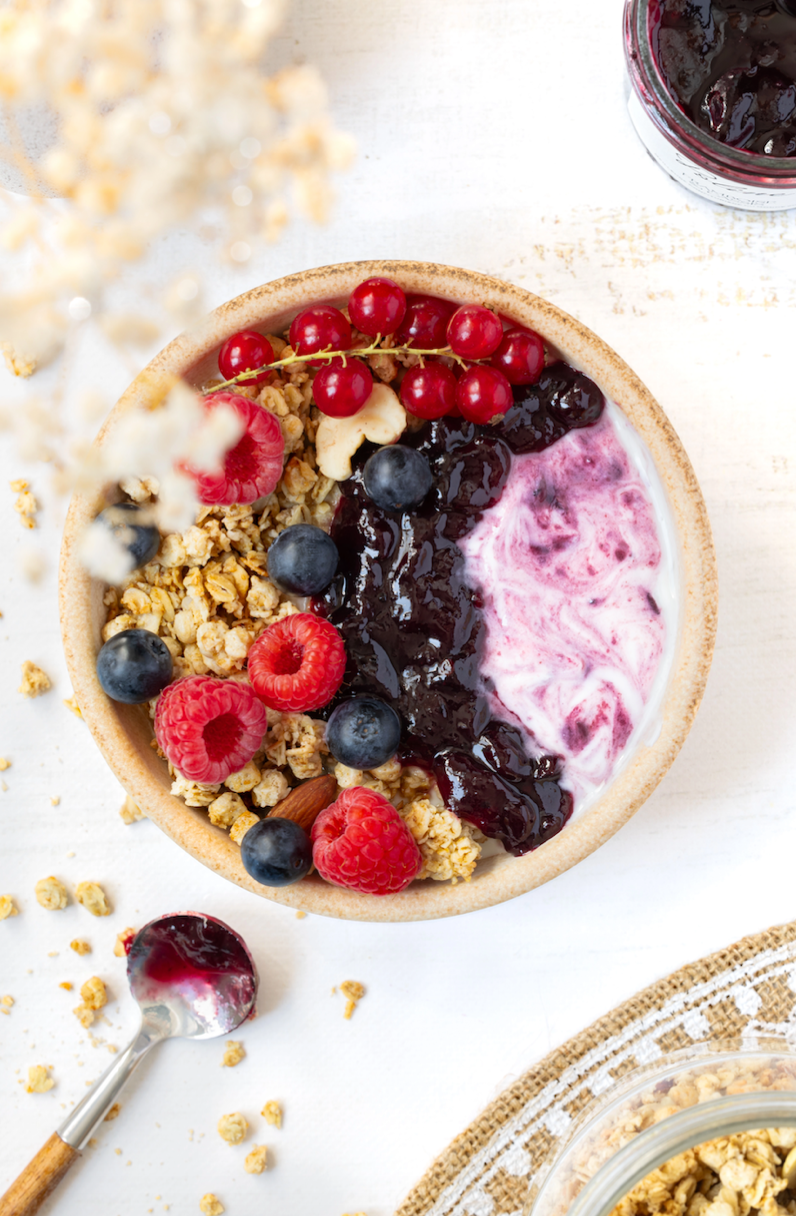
x=713, y=95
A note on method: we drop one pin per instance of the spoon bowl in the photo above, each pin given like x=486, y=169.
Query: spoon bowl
x=193, y=978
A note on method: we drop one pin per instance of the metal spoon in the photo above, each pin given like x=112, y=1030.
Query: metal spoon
x=193, y=978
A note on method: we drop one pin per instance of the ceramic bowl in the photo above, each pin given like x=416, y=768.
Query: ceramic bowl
x=123, y=733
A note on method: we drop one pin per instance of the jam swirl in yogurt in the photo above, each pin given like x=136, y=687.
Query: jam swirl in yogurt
x=416, y=622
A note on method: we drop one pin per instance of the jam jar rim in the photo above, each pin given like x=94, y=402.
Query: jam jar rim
x=650, y=87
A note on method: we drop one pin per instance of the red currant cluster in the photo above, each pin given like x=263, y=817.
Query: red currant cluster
x=468, y=362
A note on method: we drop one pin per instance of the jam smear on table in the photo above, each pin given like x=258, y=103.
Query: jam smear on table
x=413, y=627
x=731, y=67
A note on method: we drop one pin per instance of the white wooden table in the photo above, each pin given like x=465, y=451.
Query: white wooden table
x=492, y=136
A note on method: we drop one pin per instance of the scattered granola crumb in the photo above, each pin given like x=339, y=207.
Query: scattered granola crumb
x=300, y=915
x=112, y=1113
x=7, y=907
x=55, y=800
x=6, y=1004
x=121, y=947
x=257, y=1159
x=26, y=505
x=92, y=897
x=51, y=894
x=4, y=764
x=95, y=997
x=130, y=812
x=232, y=1128
x=118, y=1152
x=71, y=703
x=80, y=945
x=38, y=1080
x=93, y=1142
x=234, y=1052
x=53, y=953
x=34, y=680
x=71, y=853
x=210, y=1206
x=67, y=984
x=353, y=992
x=272, y=1113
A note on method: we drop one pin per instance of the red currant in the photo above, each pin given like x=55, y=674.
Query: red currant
x=430, y=391
x=520, y=356
x=320, y=328
x=341, y=389
x=474, y=332
x=245, y=352
x=377, y=306
x=425, y=322
x=483, y=393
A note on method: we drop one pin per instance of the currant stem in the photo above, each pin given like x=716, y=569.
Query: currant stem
x=374, y=349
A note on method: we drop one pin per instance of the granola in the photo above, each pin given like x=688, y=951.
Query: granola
x=210, y=1206
x=272, y=1113
x=257, y=1160
x=80, y=946
x=39, y=1081
x=26, y=505
x=233, y=1128
x=130, y=812
x=34, y=680
x=353, y=992
x=234, y=1052
x=92, y=897
x=121, y=947
x=208, y=596
x=7, y=907
x=94, y=997
x=51, y=894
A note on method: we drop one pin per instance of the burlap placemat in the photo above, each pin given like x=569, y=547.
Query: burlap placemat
x=747, y=989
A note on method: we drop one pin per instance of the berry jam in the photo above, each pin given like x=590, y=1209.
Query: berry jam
x=413, y=628
x=186, y=948
x=731, y=67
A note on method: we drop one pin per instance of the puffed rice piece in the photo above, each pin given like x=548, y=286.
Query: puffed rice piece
x=7, y=907
x=257, y=1160
x=93, y=898
x=51, y=894
x=233, y=1128
x=39, y=1082
x=34, y=680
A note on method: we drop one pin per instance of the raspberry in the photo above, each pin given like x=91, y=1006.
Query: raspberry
x=209, y=727
x=297, y=664
x=361, y=842
x=253, y=467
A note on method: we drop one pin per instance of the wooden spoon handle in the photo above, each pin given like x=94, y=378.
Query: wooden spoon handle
x=39, y=1177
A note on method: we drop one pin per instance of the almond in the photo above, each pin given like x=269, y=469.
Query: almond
x=304, y=804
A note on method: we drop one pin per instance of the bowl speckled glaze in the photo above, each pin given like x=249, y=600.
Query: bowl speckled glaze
x=123, y=733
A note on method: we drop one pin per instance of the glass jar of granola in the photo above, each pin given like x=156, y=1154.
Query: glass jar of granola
x=717, y=155
x=707, y=1131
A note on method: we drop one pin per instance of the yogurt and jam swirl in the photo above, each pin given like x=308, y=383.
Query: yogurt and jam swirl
x=418, y=619
x=731, y=67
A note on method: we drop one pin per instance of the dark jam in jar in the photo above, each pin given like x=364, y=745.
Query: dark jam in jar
x=731, y=66
x=413, y=626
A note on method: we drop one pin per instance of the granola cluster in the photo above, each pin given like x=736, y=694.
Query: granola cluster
x=751, y=1171
x=748, y=1172
x=208, y=596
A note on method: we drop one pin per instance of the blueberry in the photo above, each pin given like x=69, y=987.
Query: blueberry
x=142, y=541
x=302, y=560
x=397, y=477
x=134, y=666
x=571, y=396
x=363, y=732
x=276, y=852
